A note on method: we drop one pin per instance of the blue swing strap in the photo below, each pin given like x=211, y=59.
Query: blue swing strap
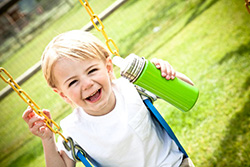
x=164, y=124
x=81, y=154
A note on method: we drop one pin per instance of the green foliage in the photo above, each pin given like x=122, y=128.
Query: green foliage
x=206, y=40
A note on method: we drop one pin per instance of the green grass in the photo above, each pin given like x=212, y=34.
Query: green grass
x=31, y=53
x=207, y=40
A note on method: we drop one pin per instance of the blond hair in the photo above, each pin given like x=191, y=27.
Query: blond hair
x=75, y=44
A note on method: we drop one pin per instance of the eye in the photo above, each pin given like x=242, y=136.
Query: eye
x=72, y=82
x=92, y=70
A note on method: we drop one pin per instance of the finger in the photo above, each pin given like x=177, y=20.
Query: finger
x=32, y=114
x=47, y=113
x=26, y=114
x=163, y=68
x=156, y=63
x=36, y=128
x=34, y=120
x=173, y=73
x=169, y=71
x=45, y=130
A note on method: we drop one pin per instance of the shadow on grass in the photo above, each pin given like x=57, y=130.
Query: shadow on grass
x=27, y=157
x=234, y=147
x=247, y=83
x=146, y=28
x=245, y=48
x=129, y=3
x=236, y=143
x=196, y=11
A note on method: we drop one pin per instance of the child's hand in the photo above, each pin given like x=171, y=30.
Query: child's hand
x=36, y=123
x=167, y=71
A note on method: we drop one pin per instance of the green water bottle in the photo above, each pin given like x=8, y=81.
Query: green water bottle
x=143, y=73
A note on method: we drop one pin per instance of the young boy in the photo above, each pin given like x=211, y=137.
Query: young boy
x=110, y=121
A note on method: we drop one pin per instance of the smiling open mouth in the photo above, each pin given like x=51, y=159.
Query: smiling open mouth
x=95, y=96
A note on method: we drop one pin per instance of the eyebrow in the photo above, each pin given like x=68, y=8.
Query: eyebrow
x=68, y=79
x=93, y=65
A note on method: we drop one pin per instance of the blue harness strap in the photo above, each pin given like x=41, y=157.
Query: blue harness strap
x=87, y=161
x=81, y=154
x=84, y=159
x=164, y=124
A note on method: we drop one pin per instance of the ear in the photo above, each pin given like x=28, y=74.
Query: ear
x=109, y=66
x=63, y=96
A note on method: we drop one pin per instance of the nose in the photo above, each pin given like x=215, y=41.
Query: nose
x=87, y=83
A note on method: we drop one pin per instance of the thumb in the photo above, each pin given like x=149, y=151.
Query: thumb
x=47, y=113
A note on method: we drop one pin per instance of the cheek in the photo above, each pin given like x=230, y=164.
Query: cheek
x=73, y=93
x=105, y=81
x=103, y=78
x=108, y=80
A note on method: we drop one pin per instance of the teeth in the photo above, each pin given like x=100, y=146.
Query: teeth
x=92, y=94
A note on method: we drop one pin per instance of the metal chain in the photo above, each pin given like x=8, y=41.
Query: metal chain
x=72, y=146
x=49, y=122
x=93, y=17
x=26, y=98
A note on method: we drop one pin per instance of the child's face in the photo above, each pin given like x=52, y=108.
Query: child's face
x=86, y=83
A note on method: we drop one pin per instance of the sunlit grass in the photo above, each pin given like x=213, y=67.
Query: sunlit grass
x=206, y=40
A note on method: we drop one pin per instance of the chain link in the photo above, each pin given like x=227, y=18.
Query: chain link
x=93, y=18
x=71, y=146
x=26, y=98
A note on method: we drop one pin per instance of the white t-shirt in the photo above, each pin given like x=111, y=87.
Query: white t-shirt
x=124, y=137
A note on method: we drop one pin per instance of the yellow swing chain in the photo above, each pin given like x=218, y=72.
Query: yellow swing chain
x=26, y=98
x=94, y=17
x=49, y=122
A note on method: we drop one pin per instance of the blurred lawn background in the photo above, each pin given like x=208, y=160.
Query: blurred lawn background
x=209, y=41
